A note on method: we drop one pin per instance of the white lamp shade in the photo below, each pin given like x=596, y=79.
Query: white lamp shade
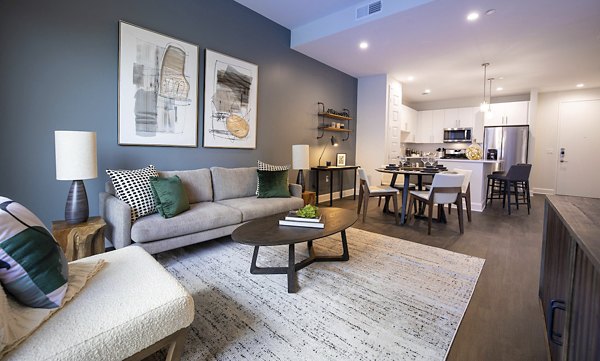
x=300, y=155
x=75, y=155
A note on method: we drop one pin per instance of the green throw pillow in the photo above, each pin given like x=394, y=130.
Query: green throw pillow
x=273, y=184
x=169, y=195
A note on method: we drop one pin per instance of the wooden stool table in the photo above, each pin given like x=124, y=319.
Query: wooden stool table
x=309, y=198
x=80, y=240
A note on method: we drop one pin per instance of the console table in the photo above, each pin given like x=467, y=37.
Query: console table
x=331, y=170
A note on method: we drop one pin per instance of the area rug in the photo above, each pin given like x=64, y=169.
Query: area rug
x=393, y=300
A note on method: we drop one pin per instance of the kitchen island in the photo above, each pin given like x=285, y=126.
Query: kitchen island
x=481, y=169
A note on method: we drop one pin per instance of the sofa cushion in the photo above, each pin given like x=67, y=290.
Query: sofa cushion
x=273, y=184
x=200, y=217
x=197, y=183
x=133, y=187
x=231, y=183
x=253, y=207
x=169, y=195
x=269, y=167
x=33, y=268
x=132, y=303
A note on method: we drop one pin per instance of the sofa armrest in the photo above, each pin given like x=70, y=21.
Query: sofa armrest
x=296, y=190
x=117, y=215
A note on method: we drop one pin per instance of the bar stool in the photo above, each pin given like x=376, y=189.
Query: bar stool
x=517, y=181
x=495, y=187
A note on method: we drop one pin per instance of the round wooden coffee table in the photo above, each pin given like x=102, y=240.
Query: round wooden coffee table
x=266, y=231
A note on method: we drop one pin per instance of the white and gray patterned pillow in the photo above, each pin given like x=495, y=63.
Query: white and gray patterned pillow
x=133, y=187
x=269, y=167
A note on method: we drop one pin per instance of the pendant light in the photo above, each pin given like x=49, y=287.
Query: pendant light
x=488, y=112
x=484, y=106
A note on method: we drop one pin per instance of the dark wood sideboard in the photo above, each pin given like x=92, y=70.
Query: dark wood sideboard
x=570, y=277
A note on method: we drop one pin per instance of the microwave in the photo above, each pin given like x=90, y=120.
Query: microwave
x=458, y=135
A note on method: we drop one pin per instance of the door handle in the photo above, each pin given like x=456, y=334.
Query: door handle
x=554, y=337
x=562, y=155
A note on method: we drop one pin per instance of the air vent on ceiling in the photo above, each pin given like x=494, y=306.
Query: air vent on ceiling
x=368, y=9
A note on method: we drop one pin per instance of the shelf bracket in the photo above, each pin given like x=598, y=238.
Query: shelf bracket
x=321, y=109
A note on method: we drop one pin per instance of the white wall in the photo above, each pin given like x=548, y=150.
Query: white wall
x=463, y=102
x=545, y=134
x=371, y=124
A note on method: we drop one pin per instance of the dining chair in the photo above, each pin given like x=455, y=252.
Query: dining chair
x=386, y=180
x=445, y=189
x=465, y=190
x=367, y=191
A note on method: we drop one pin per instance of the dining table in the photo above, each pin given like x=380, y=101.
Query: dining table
x=407, y=172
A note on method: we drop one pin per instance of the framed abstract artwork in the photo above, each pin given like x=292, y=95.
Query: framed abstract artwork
x=158, y=89
x=340, y=160
x=230, y=98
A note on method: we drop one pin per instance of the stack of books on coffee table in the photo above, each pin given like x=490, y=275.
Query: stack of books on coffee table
x=293, y=220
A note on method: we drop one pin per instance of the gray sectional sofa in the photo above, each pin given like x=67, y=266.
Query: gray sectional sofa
x=221, y=199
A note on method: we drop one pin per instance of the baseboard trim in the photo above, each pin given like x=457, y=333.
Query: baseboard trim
x=543, y=191
x=336, y=195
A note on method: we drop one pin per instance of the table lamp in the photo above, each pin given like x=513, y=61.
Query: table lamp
x=334, y=142
x=75, y=160
x=300, y=161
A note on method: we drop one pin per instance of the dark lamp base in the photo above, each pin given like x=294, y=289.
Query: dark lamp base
x=77, y=209
x=300, y=179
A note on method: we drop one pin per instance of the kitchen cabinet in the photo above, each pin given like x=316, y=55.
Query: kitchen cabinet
x=451, y=118
x=513, y=113
x=437, y=135
x=570, y=277
x=424, y=127
x=408, y=123
x=467, y=117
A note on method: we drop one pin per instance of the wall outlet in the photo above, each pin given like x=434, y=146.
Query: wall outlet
x=327, y=179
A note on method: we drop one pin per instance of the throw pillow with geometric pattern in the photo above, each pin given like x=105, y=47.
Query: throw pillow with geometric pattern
x=33, y=268
x=269, y=167
x=133, y=187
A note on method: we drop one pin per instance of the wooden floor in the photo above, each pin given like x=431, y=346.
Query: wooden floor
x=504, y=319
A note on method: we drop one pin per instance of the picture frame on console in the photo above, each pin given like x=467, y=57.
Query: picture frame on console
x=230, y=101
x=158, y=89
x=340, y=160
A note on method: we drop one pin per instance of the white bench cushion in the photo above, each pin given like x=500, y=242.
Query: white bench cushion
x=132, y=303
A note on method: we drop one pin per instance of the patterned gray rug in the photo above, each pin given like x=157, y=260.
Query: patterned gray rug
x=393, y=300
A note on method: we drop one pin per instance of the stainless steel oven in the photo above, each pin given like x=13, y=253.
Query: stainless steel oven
x=458, y=135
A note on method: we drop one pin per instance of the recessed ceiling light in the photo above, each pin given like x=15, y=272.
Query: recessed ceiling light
x=410, y=78
x=473, y=16
x=499, y=89
x=363, y=45
x=501, y=78
x=580, y=85
x=490, y=12
x=426, y=91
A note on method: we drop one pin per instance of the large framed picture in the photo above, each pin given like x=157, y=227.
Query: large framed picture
x=158, y=89
x=230, y=97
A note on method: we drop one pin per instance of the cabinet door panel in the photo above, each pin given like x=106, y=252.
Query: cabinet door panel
x=451, y=118
x=467, y=117
x=516, y=113
x=437, y=131
x=496, y=118
x=584, y=332
x=424, y=125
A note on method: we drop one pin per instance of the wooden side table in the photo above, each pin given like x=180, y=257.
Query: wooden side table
x=309, y=198
x=80, y=240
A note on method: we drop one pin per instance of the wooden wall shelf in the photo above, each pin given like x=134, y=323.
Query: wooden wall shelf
x=329, y=129
x=324, y=127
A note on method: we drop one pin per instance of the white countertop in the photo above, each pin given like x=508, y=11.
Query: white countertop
x=470, y=161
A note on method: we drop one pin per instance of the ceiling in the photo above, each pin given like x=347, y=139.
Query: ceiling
x=548, y=45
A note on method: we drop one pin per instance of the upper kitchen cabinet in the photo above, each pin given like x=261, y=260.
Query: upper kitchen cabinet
x=424, y=127
x=408, y=123
x=437, y=135
x=460, y=117
x=513, y=113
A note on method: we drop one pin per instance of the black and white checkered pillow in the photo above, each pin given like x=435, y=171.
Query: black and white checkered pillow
x=133, y=187
x=269, y=167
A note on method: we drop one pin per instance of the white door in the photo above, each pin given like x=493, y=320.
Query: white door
x=394, y=125
x=578, y=130
x=467, y=117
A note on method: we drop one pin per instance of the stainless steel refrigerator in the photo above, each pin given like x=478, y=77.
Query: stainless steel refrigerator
x=510, y=143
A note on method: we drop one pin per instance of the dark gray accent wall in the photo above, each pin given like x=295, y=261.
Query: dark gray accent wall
x=58, y=71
